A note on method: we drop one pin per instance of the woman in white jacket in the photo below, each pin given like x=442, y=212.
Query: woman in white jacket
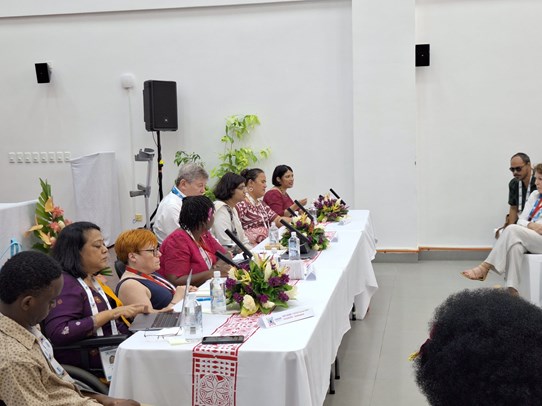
x=515, y=241
x=229, y=191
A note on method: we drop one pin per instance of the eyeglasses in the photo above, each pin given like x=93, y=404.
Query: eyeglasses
x=516, y=168
x=154, y=251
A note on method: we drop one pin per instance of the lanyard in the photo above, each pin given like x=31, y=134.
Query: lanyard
x=202, y=250
x=94, y=307
x=520, y=194
x=233, y=228
x=47, y=350
x=535, y=211
x=177, y=192
x=154, y=278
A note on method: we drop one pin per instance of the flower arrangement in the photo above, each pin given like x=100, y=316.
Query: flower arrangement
x=329, y=209
x=262, y=287
x=314, y=232
x=49, y=220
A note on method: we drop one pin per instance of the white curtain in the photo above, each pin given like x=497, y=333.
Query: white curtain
x=95, y=184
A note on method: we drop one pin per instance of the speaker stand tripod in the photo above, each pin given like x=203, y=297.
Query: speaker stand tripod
x=147, y=155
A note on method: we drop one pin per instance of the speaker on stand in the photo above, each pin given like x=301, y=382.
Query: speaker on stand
x=160, y=114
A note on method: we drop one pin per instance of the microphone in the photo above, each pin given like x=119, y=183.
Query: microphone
x=336, y=195
x=246, y=252
x=293, y=213
x=305, y=242
x=225, y=258
x=311, y=218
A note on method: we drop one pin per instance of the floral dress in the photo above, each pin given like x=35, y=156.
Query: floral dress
x=255, y=216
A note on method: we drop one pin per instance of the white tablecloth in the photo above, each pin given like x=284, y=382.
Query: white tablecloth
x=285, y=365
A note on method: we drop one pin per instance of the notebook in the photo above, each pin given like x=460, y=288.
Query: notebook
x=158, y=321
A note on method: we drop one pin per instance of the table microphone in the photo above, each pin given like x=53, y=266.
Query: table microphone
x=305, y=242
x=300, y=206
x=337, y=196
x=226, y=259
x=246, y=252
x=293, y=213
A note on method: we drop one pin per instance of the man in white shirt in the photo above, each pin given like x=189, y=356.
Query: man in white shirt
x=191, y=181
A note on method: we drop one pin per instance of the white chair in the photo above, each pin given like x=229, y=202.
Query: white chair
x=530, y=279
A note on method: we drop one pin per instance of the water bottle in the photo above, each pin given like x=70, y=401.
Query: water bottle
x=293, y=247
x=218, y=294
x=313, y=213
x=273, y=233
x=192, y=319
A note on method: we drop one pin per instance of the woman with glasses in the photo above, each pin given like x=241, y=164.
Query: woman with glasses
x=277, y=197
x=229, y=191
x=86, y=306
x=192, y=247
x=516, y=240
x=140, y=284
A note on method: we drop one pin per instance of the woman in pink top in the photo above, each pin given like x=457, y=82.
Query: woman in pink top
x=255, y=215
x=277, y=198
x=192, y=247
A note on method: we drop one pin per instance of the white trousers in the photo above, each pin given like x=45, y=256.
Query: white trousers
x=507, y=254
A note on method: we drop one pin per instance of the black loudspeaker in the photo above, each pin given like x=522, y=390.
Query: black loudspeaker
x=43, y=73
x=422, y=55
x=160, y=105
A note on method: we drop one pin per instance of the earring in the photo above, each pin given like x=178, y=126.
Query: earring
x=251, y=189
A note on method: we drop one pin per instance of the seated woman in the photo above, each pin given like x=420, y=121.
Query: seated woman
x=140, y=284
x=85, y=307
x=516, y=240
x=255, y=215
x=277, y=198
x=484, y=348
x=192, y=247
x=229, y=191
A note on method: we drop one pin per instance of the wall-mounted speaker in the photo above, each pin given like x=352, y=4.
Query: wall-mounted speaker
x=160, y=105
x=43, y=72
x=422, y=55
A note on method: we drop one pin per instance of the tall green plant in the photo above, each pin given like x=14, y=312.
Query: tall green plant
x=235, y=159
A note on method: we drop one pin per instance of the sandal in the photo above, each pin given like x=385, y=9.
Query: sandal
x=478, y=273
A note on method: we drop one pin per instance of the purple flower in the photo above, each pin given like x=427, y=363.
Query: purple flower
x=284, y=278
x=283, y=297
x=237, y=297
x=263, y=298
x=248, y=289
x=274, y=281
x=230, y=283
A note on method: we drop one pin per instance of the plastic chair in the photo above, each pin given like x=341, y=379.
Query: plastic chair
x=120, y=267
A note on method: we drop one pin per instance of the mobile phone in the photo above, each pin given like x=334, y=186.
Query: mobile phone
x=223, y=340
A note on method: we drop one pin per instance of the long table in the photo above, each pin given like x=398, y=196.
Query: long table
x=284, y=365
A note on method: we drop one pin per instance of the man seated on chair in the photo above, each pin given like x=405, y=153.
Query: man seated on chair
x=190, y=181
x=520, y=166
x=29, y=375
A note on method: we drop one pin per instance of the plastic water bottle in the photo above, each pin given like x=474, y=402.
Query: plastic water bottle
x=273, y=233
x=192, y=319
x=293, y=247
x=312, y=211
x=218, y=294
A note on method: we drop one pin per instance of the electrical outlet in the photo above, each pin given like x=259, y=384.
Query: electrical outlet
x=11, y=156
x=52, y=157
x=20, y=157
x=27, y=157
x=60, y=156
x=35, y=157
x=67, y=156
x=43, y=157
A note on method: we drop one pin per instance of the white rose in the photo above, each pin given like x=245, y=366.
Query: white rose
x=268, y=305
x=231, y=273
x=249, y=303
x=292, y=293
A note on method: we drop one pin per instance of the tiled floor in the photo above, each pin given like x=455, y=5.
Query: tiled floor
x=373, y=355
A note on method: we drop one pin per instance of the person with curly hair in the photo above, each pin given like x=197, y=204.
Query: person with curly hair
x=484, y=348
x=192, y=247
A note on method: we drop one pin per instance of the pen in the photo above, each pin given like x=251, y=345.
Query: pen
x=203, y=299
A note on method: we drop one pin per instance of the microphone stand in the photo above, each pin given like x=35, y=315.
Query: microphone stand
x=147, y=155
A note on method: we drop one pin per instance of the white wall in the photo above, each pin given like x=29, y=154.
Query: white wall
x=478, y=103
x=425, y=149
x=290, y=63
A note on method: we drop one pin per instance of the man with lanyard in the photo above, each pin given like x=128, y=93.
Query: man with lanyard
x=29, y=374
x=520, y=166
x=191, y=181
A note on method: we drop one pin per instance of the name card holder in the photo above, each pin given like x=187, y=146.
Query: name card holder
x=285, y=317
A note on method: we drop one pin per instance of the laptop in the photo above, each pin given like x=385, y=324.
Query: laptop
x=158, y=321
